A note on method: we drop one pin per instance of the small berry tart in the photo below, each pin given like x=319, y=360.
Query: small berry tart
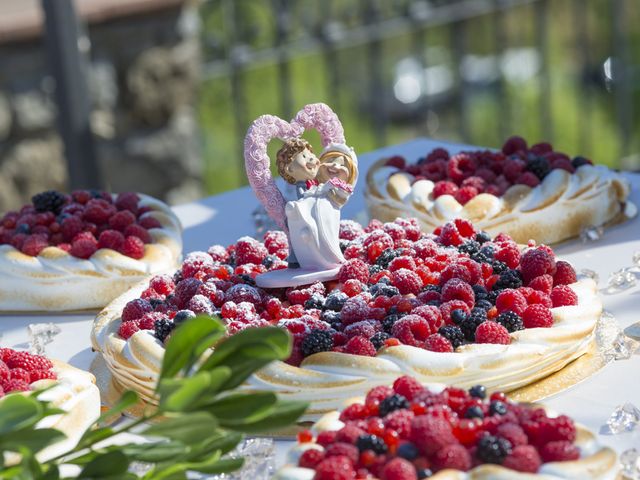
x=411, y=432
x=80, y=251
x=527, y=192
x=73, y=391
x=454, y=306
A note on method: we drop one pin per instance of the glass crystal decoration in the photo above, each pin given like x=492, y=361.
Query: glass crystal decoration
x=587, y=273
x=630, y=461
x=624, y=418
x=636, y=259
x=40, y=335
x=621, y=280
x=591, y=234
x=623, y=347
x=259, y=460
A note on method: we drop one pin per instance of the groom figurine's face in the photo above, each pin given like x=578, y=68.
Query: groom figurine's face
x=303, y=166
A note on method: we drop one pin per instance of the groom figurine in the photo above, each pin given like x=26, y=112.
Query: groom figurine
x=298, y=165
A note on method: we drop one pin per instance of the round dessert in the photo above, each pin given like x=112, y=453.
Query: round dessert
x=454, y=306
x=526, y=192
x=409, y=432
x=73, y=391
x=80, y=251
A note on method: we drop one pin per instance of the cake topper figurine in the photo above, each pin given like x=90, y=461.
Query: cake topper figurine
x=323, y=185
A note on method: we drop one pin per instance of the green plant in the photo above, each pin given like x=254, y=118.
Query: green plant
x=201, y=414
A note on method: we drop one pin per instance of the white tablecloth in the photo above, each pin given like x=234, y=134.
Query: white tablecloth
x=223, y=218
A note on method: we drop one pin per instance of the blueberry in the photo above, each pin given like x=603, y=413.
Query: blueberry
x=408, y=451
x=478, y=391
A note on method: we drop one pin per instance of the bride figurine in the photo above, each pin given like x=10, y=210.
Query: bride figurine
x=312, y=220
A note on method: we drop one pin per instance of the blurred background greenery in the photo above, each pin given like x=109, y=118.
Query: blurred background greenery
x=564, y=71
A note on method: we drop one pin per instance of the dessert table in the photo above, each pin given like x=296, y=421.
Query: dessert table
x=223, y=218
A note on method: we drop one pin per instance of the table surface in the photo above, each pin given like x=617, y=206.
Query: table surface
x=223, y=218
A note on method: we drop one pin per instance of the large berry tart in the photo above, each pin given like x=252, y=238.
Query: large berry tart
x=409, y=432
x=73, y=391
x=80, y=251
x=454, y=306
x=527, y=192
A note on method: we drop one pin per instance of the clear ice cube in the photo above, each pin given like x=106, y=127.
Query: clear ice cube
x=624, y=418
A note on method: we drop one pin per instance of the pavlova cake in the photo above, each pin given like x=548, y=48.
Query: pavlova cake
x=80, y=251
x=527, y=192
x=68, y=389
x=408, y=432
x=454, y=306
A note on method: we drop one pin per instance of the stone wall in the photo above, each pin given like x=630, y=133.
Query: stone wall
x=143, y=77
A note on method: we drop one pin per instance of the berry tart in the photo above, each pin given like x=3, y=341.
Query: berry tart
x=80, y=251
x=411, y=432
x=527, y=192
x=454, y=306
x=73, y=391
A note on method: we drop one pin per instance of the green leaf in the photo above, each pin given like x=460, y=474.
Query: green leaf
x=19, y=411
x=221, y=466
x=188, y=428
x=188, y=342
x=108, y=465
x=32, y=439
x=128, y=399
x=284, y=414
x=222, y=441
x=93, y=436
x=242, y=408
x=185, y=394
x=155, y=452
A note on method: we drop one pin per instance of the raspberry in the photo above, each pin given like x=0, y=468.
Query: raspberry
x=476, y=182
x=399, y=469
x=342, y=448
x=15, y=385
x=27, y=361
x=128, y=328
x=20, y=374
x=135, y=309
x=537, y=316
x=163, y=284
x=523, y=458
x=70, y=227
x=200, y=304
x=560, y=428
x=355, y=310
x=249, y=250
x=349, y=434
x=377, y=394
x=512, y=300
x=536, y=262
x=430, y=434
x=513, y=145
x=138, y=231
x=512, y=432
x=438, y=343
x=447, y=309
x=492, y=332
x=354, y=269
x=83, y=247
x=399, y=421
x=122, y=220
x=528, y=178
x=543, y=283
x=310, y=458
x=431, y=314
x=406, y=281
x=562, y=295
x=127, y=201
x=42, y=375
x=397, y=161
x=411, y=330
x=565, y=274
x=335, y=468
x=536, y=297
x=559, y=451
x=513, y=168
x=509, y=254
x=98, y=211
x=403, y=261
x=461, y=166
x=444, y=187
x=111, y=239
x=219, y=253
x=363, y=328
x=457, y=289
x=326, y=438
x=456, y=270
x=360, y=346
x=133, y=247
x=148, y=222
x=407, y=386
x=464, y=194
x=355, y=411
x=452, y=456
x=4, y=372
x=34, y=244
x=349, y=230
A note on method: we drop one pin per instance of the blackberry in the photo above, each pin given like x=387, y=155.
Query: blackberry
x=177, y=277
x=389, y=321
x=579, y=161
x=384, y=259
x=508, y=279
x=378, y=339
x=484, y=255
x=484, y=304
x=373, y=269
x=469, y=247
x=371, y=442
x=182, y=315
x=335, y=301
x=498, y=266
x=497, y=408
x=155, y=302
x=491, y=296
x=479, y=291
x=269, y=260
x=458, y=316
x=344, y=244
x=408, y=451
x=539, y=166
x=49, y=201
x=162, y=328
x=385, y=280
x=479, y=314
x=453, y=334
x=483, y=237
x=246, y=279
x=383, y=289
x=316, y=341
x=23, y=228
x=511, y=321
x=474, y=412
x=478, y=391
x=332, y=318
x=469, y=325
x=392, y=403
x=493, y=449
x=424, y=473
x=316, y=301
x=432, y=288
